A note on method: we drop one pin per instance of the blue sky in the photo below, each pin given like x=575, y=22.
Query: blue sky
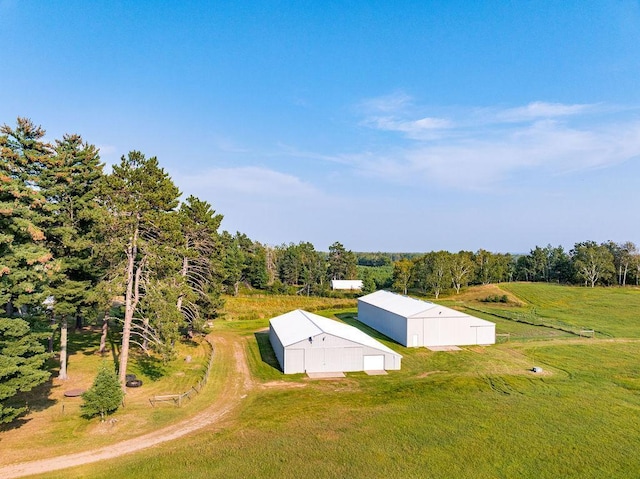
x=387, y=126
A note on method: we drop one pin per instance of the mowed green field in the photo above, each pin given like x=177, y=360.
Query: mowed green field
x=475, y=413
x=609, y=312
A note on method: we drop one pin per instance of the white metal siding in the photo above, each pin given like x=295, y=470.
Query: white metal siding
x=485, y=334
x=325, y=351
x=278, y=349
x=294, y=361
x=374, y=363
x=389, y=324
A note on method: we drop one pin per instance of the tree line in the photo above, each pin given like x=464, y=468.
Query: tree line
x=587, y=263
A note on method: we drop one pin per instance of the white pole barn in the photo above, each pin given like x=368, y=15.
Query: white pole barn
x=305, y=342
x=413, y=322
x=346, y=284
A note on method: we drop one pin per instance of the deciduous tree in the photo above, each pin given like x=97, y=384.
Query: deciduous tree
x=593, y=262
x=461, y=267
x=402, y=274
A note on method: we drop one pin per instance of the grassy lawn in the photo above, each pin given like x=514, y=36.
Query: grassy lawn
x=476, y=413
x=54, y=425
x=610, y=312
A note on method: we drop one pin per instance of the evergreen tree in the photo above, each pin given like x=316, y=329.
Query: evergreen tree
x=342, y=263
x=233, y=263
x=105, y=395
x=70, y=187
x=25, y=261
x=368, y=281
x=141, y=198
x=201, y=273
x=22, y=356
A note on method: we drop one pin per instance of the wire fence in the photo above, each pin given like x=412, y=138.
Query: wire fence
x=177, y=399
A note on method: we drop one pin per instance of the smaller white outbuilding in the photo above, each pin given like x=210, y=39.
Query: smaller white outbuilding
x=346, y=284
x=305, y=342
x=413, y=322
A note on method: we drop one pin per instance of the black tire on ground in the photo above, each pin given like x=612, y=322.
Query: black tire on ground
x=134, y=383
x=130, y=377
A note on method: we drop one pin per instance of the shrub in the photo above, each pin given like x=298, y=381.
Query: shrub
x=494, y=298
x=105, y=396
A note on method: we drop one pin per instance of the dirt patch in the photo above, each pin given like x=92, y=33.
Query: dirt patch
x=283, y=385
x=429, y=373
x=325, y=375
x=376, y=373
x=443, y=348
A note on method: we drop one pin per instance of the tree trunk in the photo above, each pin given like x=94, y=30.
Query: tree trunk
x=129, y=308
x=103, y=336
x=52, y=322
x=183, y=273
x=79, y=321
x=63, y=348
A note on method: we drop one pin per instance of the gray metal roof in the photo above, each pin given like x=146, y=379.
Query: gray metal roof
x=298, y=325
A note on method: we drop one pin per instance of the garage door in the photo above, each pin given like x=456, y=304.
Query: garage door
x=374, y=363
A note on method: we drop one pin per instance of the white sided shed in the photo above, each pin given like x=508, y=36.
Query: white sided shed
x=306, y=342
x=414, y=323
x=346, y=284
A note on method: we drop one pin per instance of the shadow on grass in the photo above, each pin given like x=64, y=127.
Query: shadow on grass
x=349, y=319
x=150, y=366
x=38, y=399
x=266, y=350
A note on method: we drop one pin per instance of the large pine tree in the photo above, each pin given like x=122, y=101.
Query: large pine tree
x=140, y=198
x=25, y=259
x=70, y=186
x=199, y=248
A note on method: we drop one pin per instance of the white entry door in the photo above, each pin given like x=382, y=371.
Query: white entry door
x=374, y=363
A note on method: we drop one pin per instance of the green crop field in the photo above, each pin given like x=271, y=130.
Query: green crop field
x=476, y=413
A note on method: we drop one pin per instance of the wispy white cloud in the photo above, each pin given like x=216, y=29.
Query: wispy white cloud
x=423, y=128
x=481, y=148
x=392, y=103
x=540, y=109
x=249, y=181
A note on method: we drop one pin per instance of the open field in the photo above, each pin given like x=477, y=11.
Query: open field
x=476, y=413
x=610, y=312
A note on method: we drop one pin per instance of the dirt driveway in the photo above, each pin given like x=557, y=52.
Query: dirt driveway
x=234, y=389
